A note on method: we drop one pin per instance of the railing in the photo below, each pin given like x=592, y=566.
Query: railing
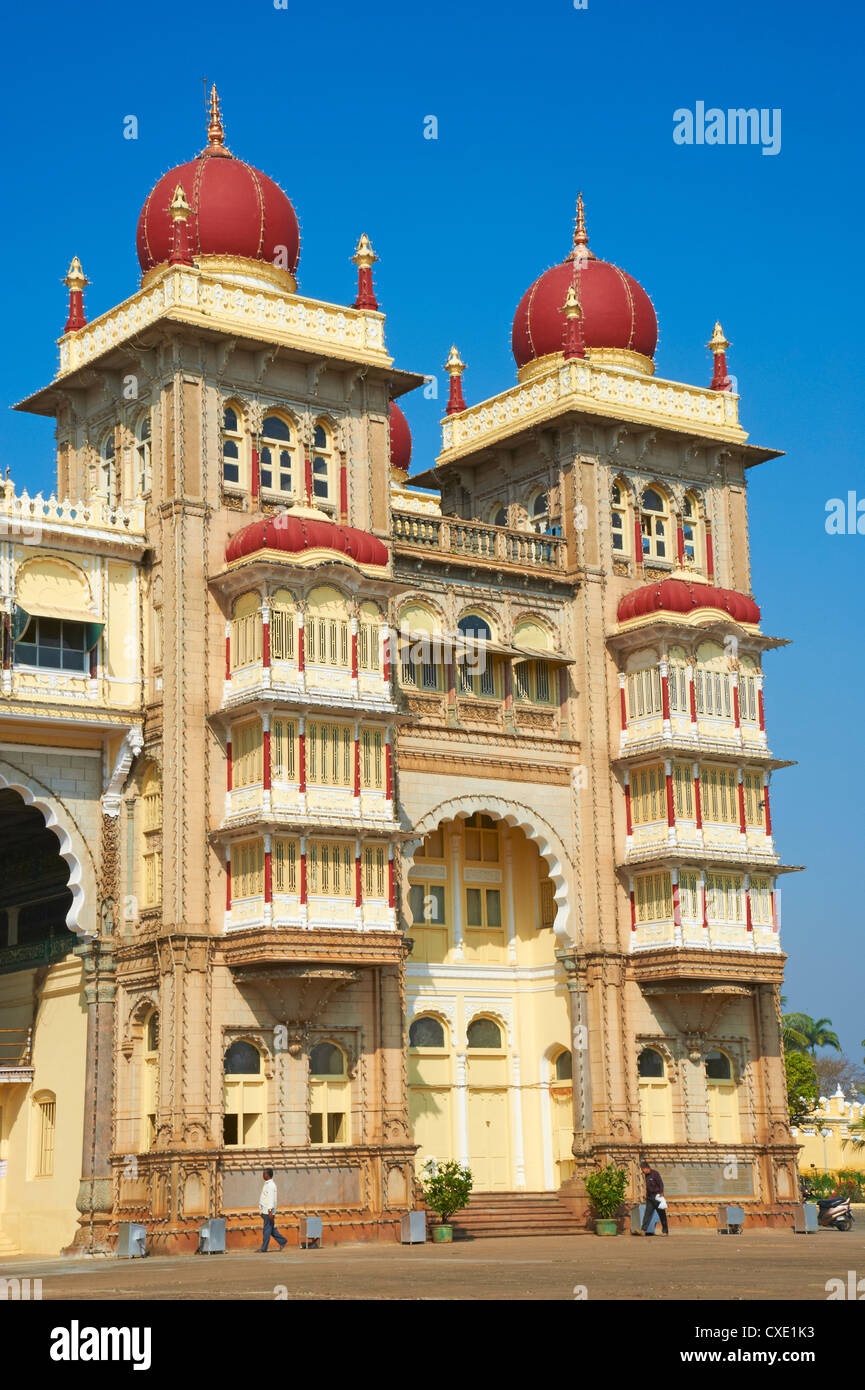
x=23, y=517
x=31, y=955
x=15, y=1045
x=472, y=539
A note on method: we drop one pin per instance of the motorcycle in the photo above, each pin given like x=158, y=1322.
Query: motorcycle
x=832, y=1212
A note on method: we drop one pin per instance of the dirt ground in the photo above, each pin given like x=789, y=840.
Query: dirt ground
x=774, y=1265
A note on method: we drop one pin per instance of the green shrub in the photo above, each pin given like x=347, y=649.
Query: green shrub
x=847, y=1182
x=447, y=1188
x=607, y=1190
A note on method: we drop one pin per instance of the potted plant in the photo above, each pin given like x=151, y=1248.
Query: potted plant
x=607, y=1192
x=446, y=1191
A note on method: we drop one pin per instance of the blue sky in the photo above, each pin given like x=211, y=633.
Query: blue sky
x=533, y=103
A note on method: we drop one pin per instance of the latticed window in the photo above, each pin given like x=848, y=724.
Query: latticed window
x=653, y=524
x=752, y=783
x=283, y=626
x=246, y=632
x=232, y=442
x=326, y=641
x=683, y=790
x=689, y=903
x=472, y=681
x=726, y=901
x=644, y=693
x=749, y=711
x=482, y=839
x=152, y=862
x=151, y=826
x=375, y=871
x=143, y=456
x=151, y=802
x=369, y=644
x=720, y=795
x=276, y=458
x=690, y=524
x=47, y=1120
x=285, y=860
x=372, y=764
x=330, y=869
x=548, y=902
x=678, y=687
x=653, y=898
x=532, y=681
x=618, y=518
x=322, y=463
x=648, y=795
x=713, y=690
x=246, y=748
x=283, y=750
x=761, y=902
x=247, y=869
x=329, y=749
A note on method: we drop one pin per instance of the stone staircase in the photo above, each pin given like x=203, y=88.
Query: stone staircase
x=515, y=1214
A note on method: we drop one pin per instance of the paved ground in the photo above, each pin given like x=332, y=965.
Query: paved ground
x=771, y=1265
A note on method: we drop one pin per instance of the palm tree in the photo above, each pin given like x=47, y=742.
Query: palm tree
x=793, y=1032
x=818, y=1033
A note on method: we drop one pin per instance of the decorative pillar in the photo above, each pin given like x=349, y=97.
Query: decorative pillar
x=357, y=768
x=268, y=880
x=303, y=891
x=664, y=667
x=718, y=345
x=301, y=756
x=677, y=907
x=391, y=886
x=749, y=923
x=573, y=331
x=95, y=1193
x=710, y=553
x=509, y=899
x=265, y=636
x=671, y=803
x=364, y=258
x=228, y=881
x=228, y=652
x=692, y=699
x=388, y=767
x=455, y=368
x=462, y=1110
x=180, y=211
x=698, y=801
x=358, y=878
x=766, y=811
x=680, y=540
x=633, y=904
x=255, y=474
x=638, y=538
x=385, y=653
x=623, y=704
x=76, y=282
x=354, y=667
x=265, y=761
x=705, y=900
x=629, y=826
x=741, y=792
x=519, y=1150
x=456, y=894
x=343, y=487
x=301, y=653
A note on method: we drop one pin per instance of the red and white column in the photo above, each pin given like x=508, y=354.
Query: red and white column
x=710, y=553
x=265, y=761
x=358, y=883
x=677, y=908
x=228, y=654
x=629, y=827
x=761, y=710
x=388, y=769
x=265, y=639
x=664, y=667
x=301, y=654
x=391, y=884
x=692, y=700
x=228, y=882
x=749, y=921
x=301, y=762
x=698, y=801
x=229, y=772
x=356, y=791
x=704, y=896
x=354, y=667
x=268, y=880
x=623, y=706
x=741, y=792
x=633, y=904
x=304, y=896
x=671, y=803
x=767, y=813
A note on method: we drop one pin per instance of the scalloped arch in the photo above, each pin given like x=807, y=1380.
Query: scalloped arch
x=533, y=826
x=73, y=847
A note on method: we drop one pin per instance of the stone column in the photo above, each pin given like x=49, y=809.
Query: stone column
x=95, y=1194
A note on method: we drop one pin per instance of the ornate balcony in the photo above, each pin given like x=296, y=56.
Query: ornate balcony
x=15, y=1047
x=474, y=543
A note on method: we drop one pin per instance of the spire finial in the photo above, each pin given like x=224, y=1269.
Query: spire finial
x=363, y=258
x=581, y=239
x=180, y=214
x=573, y=336
x=718, y=345
x=215, y=128
x=75, y=282
x=455, y=367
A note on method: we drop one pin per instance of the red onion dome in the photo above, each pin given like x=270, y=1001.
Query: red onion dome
x=235, y=209
x=681, y=596
x=616, y=311
x=303, y=529
x=400, y=439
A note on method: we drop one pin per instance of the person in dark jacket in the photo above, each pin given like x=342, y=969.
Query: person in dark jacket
x=654, y=1191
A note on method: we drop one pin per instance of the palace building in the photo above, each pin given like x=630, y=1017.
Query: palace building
x=351, y=819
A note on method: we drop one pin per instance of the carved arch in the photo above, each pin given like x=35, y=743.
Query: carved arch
x=73, y=846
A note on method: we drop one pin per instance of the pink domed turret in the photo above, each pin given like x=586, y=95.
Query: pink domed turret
x=234, y=209
x=616, y=312
x=400, y=439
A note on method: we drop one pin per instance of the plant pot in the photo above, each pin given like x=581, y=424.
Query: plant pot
x=607, y=1228
x=442, y=1234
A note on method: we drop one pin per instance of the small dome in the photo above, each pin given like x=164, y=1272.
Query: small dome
x=400, y=439
x=681, y=596
x=616, y=311
x=304, y=529
x=235, y=209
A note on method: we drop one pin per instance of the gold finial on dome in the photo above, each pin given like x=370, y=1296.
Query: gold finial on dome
x=454, y=365
x=75, y=277
x=572, y=307
x=215, y=128
x=581, y=238
x=717, y=342
x=179, y=207
x=364, y=254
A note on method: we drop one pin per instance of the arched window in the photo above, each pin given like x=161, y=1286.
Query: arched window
x=143, y=470
x=327, y=634
x=150, y=1079
x=109, y=469
x=46, y=1120
x=656, y=1106
x=232, y=442
x=618, y=519
x=247, y=869
x=420, y=647
x=243, y=1096
x=151, y=834
x=540, y=519
x=369, y=634
x=247, y=753
x=322, y=463
x=499, y=514
x=484, y=1033
x=533, y=678
x=481, y=839
x=245, y=632
x=328, y=1095
x=276, y=456
x=723, y=1098
x=690, y=529
x=564, y=1065
x=645, y=693
x=426, y=1032
x=713, y=685
x=476, y=667
x=655, y=524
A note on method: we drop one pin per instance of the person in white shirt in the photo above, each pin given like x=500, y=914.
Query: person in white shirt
x=267, y=1207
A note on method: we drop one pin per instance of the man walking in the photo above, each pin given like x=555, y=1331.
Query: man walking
x=267, y=1207
x=656, y=1202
